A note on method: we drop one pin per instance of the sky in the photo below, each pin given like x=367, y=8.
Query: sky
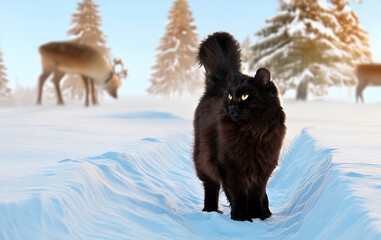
x=134, y=28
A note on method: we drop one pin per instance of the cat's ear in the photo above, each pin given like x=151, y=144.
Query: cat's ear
x=219, y=52
x=263, y=76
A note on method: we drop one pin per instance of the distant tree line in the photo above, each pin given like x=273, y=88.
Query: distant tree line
x=309, y=45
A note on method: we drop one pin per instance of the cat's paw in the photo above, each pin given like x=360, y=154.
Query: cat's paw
x=265, y=215
x=261, y=214
x=240, y=215
x=211, y=209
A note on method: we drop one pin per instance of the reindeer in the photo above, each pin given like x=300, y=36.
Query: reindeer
x=367, y=74
x=59, y=58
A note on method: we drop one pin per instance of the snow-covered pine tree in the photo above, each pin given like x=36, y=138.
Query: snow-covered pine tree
x=246, y=49
x=176, y=70
x=87, y=25
x=300, y=47
x=4, y=89
x=86, y=29
x=246, y=53
x=354, y=38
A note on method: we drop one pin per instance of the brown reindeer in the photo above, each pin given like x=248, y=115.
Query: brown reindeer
x=367, y=74
x=59, y=58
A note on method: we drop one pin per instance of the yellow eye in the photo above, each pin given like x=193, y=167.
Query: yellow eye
x=245, y=96
x=230, y=97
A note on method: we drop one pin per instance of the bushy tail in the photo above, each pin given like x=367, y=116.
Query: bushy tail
x=220, y=53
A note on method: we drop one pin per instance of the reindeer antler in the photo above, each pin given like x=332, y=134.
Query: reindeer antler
x=123, y=72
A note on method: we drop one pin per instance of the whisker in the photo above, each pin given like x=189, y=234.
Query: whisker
x=216, y=119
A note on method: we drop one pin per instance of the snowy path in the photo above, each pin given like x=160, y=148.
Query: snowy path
x=146, y=188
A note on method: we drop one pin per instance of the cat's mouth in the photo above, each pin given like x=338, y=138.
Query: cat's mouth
x=236, y=117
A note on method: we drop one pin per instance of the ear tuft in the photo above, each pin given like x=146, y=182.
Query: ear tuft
x=263, y=76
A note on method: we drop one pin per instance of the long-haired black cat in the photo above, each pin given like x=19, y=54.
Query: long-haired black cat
x=239, y=129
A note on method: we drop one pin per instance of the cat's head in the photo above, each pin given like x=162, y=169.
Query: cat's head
x=243, y=96
x=247, y=97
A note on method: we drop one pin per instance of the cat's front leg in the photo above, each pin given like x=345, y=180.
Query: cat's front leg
x=212, y=191
x=239, y=211
x=259, y=205
x=238, y=201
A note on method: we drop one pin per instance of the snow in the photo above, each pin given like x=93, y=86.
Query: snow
x=123, y=170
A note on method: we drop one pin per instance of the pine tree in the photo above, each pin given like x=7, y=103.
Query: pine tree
x=300, y=47
x=86, y=24
x=246, y=49
x=86, y=27
x=4, y=90
x=176, y=70
x=354, y=38
x=246, y=54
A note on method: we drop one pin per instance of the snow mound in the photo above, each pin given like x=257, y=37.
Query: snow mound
x=151, y=192
x=146, y=115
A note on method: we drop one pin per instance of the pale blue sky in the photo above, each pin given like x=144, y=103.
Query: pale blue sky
x=134, y=28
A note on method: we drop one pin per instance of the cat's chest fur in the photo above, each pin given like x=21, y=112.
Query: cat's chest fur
x=237, y=143
x=245, y=150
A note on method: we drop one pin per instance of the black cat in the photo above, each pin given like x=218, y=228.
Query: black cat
x=239, y=128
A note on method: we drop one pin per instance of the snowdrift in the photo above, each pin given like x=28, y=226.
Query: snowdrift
x=150, y=191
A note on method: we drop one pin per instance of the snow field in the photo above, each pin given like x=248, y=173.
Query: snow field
x=135, y=180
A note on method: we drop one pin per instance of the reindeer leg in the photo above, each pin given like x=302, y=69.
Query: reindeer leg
x=359, y=90
x=93, y=92
x=86, y=83
x=56, y=81
x=41, y=81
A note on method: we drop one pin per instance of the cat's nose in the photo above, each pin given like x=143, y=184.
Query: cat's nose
x=233, y=110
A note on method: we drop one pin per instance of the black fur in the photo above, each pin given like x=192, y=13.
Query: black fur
x=237, y=142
